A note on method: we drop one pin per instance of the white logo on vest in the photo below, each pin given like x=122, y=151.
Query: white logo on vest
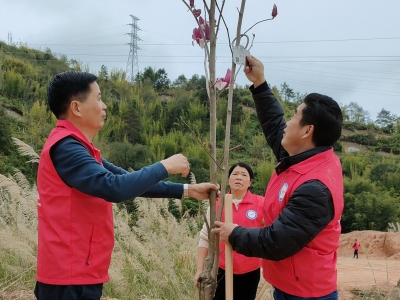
x=251, y=214
x=282, y=191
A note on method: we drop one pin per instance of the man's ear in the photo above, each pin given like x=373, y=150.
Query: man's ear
x=309, y=131
x=74, y=107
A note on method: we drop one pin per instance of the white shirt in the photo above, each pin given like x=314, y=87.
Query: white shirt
x=203, y=242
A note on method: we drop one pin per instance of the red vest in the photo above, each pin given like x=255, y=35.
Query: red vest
x=248, y=214
x=312, y=271
x=75, y=231
x=356, y=246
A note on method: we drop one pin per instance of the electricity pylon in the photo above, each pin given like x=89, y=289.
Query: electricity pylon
x=132, y=67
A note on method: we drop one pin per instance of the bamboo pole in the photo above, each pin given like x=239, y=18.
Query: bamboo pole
x=228, y=251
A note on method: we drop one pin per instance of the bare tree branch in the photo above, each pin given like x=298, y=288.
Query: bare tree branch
x=230, y=150
x=226, y=26
x=220, y=16
x=206, y=6
x=194, y=134
x=258, y=23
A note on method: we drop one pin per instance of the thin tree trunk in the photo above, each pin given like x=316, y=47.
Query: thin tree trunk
x=208, y=279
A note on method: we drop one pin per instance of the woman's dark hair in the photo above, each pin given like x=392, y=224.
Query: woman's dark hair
x=243, y=165
x=66, y=86
x=325, y=114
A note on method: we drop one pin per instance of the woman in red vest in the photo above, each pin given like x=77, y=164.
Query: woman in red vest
x=246, y=211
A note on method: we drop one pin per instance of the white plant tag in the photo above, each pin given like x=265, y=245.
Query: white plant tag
x=239, y=54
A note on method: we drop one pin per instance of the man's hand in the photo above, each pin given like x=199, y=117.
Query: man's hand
x=224, y=230
x=201, y=191
x=177, y=164
x=254, y=71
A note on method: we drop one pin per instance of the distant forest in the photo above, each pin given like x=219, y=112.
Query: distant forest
x=154, y=117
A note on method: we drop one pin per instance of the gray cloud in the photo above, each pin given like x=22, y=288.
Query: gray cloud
x=346, y=49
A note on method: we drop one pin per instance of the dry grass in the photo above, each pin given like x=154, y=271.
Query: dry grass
x=26, y=150
x=376, y=293
x=149, y=260
x=18, y=238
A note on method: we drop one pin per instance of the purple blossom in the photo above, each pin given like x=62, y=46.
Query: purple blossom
x=201, y=21
x=198, y=37
x=196, y=12
x=274, y=11
x=223, y=83
x=207, y=32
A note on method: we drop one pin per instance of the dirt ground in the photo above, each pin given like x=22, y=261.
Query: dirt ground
x=377, y=268
x=366, y=273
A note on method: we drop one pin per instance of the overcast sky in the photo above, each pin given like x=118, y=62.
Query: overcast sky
x=349, y=50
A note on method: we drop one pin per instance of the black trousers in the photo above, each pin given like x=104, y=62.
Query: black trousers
x=244, y=285
x=45, y=291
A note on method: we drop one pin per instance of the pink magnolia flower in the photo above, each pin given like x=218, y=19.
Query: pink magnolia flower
x=191, y=3
x=274, y=11
x=201, y=21
x=223, y=83
x=204, y=25
x=198, y=37
x=196, y=12
x=207, y=32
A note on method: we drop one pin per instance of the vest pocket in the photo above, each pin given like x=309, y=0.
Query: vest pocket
x=95, y=242
x=294, y=268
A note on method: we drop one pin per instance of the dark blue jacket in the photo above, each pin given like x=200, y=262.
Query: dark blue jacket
x=78, y=169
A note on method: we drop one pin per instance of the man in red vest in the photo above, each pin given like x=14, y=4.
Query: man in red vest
x=77, y=188
x=304, y=198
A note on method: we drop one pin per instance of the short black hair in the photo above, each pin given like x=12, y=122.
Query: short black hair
x=325, y=114
x=243, y=165
x=66, y=86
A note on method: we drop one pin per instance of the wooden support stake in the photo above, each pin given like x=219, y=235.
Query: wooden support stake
x=228, y=252
x=261, y=292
